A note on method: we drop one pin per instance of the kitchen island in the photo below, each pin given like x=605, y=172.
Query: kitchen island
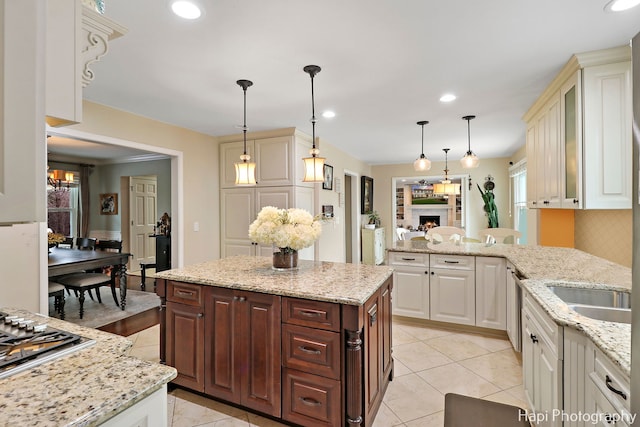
x=311, y=346
x=97, y=385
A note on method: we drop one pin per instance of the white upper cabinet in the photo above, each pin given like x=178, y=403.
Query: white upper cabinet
x=77, y=36
x=278, y=159
x=582, y=122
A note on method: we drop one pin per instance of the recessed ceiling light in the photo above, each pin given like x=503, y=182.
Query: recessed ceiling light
x=448, y=97
x=328, y=114
x=620, y=5
x=186, y=9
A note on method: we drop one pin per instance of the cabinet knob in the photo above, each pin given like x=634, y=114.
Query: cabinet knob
x=546, y=202
x=242, y=299
x=534, y=203
x=426, y=272
x=575, y=201
x=200, y=315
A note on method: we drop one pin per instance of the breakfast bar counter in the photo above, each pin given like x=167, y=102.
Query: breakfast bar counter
x=314, y=342
x=88, y=387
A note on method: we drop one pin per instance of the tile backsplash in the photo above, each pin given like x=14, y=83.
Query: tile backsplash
x=605, y=233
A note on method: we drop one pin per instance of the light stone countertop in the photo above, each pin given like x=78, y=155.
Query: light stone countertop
x=342, y=283
x=84, y=388
x=543, y=266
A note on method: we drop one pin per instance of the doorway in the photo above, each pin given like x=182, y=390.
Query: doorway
x=351, y=218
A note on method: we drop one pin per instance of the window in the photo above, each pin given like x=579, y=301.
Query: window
x=62, y=210
x=518, y=175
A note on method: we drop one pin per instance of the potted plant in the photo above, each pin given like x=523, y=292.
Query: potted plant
x=374, y=219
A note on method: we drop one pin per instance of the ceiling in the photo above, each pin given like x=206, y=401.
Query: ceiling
x=385, y=64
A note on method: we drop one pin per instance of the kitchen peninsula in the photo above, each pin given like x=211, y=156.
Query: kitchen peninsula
x=572, y=362
x=311, y=346
x=97, y=385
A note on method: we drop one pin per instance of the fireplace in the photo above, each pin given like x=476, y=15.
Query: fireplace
x=430, y=221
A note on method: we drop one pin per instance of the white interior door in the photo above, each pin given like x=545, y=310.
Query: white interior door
x=143, y=217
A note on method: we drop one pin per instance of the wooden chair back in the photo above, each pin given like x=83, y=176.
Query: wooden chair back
x=85, y=243
x=109, y=245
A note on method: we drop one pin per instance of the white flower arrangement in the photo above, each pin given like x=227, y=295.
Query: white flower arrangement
x=288, y=229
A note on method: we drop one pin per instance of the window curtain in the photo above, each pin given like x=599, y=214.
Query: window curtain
x=85, y=204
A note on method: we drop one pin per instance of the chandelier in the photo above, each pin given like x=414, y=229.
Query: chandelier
x=446, y=187
x=59, y=179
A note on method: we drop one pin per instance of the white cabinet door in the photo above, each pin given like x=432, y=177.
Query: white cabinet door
x=452, y=295
x=548, y=384
x=532, y=166
x=274, y=161
x=237, y=212
x=491, y=292
x=529, y=359
x=513, y=308
x=607, y=136
x=411, y=291
x=571, y=141
x=574, y=375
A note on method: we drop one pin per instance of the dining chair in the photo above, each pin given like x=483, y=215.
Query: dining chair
x=445, y=232
x=56, y=290
x=502, y=235
x=88, y=281
x=411, y=234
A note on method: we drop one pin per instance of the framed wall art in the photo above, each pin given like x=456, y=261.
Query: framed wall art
x=109, y=204
x=366, y=186
x=327, y=184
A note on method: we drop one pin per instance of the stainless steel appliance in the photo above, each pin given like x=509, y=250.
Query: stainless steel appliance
x=25, y=344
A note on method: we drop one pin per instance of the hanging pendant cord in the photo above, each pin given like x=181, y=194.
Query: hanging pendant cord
x=313, y=115
x=244, y=124
x=422, y=145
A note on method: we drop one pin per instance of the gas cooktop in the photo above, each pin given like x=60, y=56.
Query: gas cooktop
x=25, y=344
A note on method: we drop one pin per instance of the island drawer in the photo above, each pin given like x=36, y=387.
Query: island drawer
x=409, y=258
x=315, y=314
x=311, y=350
x=457, y=262
x=184, y=293
x=310, y=400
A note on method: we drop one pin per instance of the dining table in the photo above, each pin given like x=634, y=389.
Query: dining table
x=66, y=261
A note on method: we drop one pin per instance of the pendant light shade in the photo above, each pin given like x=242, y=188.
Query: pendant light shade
x=313, y=165
x=470, y=160
x=245, y=169
x=422, y=163
x=446, y=187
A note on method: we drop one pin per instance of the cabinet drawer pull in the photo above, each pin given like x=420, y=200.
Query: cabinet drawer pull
x=308, y=350
x=534, y=338
x=200, y=315
x=309, y=401
x=310, y=313
x=608, y=382
x=408, y=259
x=184, y=293
x=451, y=262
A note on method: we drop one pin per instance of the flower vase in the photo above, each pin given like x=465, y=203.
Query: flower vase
x=285, y=260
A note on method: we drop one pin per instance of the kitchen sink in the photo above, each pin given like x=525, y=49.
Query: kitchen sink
x=602, y=298
x=608, y=314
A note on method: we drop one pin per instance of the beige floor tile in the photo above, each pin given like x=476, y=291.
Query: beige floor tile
x=386, y=418
x=454, y=378
x=258, y=421
x=194, y=410
x=237, y=421
x=410, y=397
x=457, y=347
x=419, y=356
x=402, y=337
x=507, y=398
x=500, y=368
x=400, y=369
x=433, y=420
x=488, y=342
x=148, y=352
x=421, y=332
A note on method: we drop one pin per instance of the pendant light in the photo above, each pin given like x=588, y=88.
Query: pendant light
x=314, y=165
x=245, y=170
x=470, y=160
x=445, y=187
x=422, y=163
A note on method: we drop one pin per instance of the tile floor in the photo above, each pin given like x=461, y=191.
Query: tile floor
x=429, y=362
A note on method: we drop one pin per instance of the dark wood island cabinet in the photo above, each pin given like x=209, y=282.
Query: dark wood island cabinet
x=311, y=347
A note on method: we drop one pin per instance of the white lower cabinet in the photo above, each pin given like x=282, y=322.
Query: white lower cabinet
x=575, y=376
x=453, y=289
x=491, y=292
x=607, y=390
x=542, y=363
x=410, y=292
x=150, y=411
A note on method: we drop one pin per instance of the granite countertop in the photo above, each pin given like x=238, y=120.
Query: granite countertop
x=84, y=388
x=541, y=267
x=342, y=283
